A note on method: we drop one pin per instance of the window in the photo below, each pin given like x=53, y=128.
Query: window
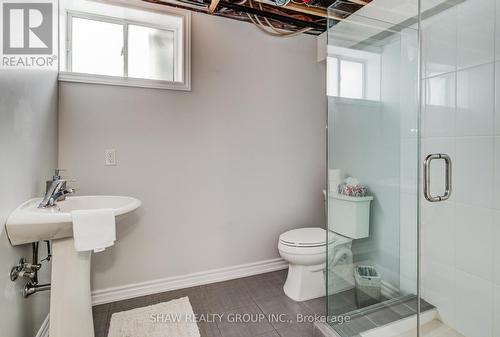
x=151, y=53
x=346, y=78
x=96, y=47
x=125, y=50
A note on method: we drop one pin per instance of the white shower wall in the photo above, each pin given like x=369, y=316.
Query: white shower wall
x=461, y=117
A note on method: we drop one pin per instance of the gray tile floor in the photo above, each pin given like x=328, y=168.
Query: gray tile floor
x=259, y=294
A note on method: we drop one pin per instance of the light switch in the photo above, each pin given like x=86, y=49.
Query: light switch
x=110, y=157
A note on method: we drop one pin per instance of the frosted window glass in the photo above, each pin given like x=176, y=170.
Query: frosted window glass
x=332, y=76
x=97, y=47
x=351, y=79
x=150, y=53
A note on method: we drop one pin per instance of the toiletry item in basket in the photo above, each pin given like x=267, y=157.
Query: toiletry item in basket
x=351, y=187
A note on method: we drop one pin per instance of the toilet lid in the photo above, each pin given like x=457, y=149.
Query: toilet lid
x=305, y=237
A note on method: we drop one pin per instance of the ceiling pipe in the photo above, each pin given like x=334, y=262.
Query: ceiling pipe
x=244, y=9
x=274, y=16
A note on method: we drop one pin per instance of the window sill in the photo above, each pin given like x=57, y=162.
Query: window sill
x=123, y=81
x=356, y=101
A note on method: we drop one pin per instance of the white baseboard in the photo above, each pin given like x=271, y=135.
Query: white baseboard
x=108, y=295
x=44, y=328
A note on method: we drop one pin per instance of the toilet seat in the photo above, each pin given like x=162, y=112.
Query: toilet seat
x=304, y=237
x=311, y=237
x=303, y=250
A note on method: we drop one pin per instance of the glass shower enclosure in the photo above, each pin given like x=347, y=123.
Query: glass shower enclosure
x=373, y=95
x=414, y=168
x=372, y=86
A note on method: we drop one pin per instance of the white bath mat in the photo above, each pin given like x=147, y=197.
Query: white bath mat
x=169, y=319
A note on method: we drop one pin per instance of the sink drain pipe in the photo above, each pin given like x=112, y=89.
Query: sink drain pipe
x=30, y=289
x=29, y=270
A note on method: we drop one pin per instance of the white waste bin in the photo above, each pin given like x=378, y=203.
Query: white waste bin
x=368, y=285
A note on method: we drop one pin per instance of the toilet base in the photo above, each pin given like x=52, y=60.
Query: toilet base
x=305, y=282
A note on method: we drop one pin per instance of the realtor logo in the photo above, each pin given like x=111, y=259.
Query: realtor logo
x=27, y=28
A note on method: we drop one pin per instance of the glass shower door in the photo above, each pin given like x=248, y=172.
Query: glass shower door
x=372, y=85
x=460, y=253
x=432, y=170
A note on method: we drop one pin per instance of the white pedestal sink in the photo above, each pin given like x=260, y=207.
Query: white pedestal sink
x=70, y=298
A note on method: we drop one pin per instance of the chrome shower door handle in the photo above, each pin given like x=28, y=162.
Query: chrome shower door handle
x=427, y=177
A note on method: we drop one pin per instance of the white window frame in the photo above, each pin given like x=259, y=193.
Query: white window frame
x=339, y=77
x=185, y=43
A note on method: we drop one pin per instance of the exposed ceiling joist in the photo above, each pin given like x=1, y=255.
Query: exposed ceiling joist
x=311, y=16
x=359, y=2
x=213, y=6
x=272, y=15
x=316, y=11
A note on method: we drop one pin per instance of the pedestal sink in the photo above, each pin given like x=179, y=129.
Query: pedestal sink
x=70, y=298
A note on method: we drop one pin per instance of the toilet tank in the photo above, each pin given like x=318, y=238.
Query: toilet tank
x=349, y=216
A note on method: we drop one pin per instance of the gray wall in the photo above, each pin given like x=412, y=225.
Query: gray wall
x=221, y=170
x=28, y=148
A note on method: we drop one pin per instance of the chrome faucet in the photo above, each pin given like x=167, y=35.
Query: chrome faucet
x=56, y=190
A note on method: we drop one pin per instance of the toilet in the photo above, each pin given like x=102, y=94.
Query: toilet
x=305, y=250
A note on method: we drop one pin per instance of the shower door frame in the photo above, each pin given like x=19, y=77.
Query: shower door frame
x=418, y=179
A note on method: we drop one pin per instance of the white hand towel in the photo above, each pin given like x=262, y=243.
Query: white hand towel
x=94, y=229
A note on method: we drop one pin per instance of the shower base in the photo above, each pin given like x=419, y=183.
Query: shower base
x=434, y=328
x=395, y=313
x=431, y=326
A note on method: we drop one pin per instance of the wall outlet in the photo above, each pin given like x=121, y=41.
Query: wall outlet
x=110, y=157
